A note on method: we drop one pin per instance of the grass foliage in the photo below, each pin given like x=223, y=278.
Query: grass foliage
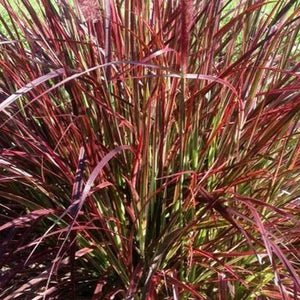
x=152, y=153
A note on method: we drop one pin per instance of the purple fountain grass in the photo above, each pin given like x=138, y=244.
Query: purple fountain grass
x=150, y=151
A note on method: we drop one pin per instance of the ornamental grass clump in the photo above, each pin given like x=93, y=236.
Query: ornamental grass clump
x=151, y=152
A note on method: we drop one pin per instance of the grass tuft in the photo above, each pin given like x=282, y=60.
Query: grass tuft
x=150, y=153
